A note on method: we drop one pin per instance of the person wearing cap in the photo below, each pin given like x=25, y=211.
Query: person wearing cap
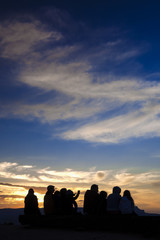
x=49, y=203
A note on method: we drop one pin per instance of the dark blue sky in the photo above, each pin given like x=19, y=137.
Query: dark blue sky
x=80, y=93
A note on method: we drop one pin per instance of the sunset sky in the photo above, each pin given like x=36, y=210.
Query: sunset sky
x=80, y=98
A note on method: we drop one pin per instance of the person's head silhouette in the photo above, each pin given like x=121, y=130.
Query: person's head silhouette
x=117, y=190
x=51, y=188
x=94, y=188
x=31, y=191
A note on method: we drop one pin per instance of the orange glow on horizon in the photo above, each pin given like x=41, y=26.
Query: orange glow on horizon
x=13, y=201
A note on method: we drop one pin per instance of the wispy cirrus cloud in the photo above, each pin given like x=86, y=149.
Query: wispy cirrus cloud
x=11, y=196
x=14, y=171
x=78, y=88
x=47, y=175
x=19, y=38
x=137, y=124
x=38, y=189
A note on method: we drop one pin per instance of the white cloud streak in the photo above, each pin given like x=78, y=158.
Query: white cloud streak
x=117, y=129
x=67, y=69
x=109, y=177
x=14, y=171
x=19, y=38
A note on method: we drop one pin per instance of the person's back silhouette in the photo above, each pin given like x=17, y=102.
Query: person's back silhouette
x=113, y=201
x=102, y=206
x=63, y=202
x=49, y=204
x=91, y=200
x=126, y=203
x=31, y=204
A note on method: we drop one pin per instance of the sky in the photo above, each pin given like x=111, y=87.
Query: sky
x=80, y=98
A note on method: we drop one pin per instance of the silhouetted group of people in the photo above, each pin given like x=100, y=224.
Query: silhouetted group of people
x=55, y=202
x=63, y=202
x=60, y=202
x=99, y=204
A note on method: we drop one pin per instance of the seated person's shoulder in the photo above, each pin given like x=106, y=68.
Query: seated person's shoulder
x=110, y=196
x=87, y=192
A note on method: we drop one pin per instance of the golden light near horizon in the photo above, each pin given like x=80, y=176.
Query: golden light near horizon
x=13, y=197
x=143, y=185
x=40, y=199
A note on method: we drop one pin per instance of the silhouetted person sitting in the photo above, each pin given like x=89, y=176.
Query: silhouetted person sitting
x=31, y=204
x=71, y=204
x=63, y=201
x=57, y=203
x=127, y=204
x=102, y=206
x=91, y=200
x=49, y=204
x=113, y=201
